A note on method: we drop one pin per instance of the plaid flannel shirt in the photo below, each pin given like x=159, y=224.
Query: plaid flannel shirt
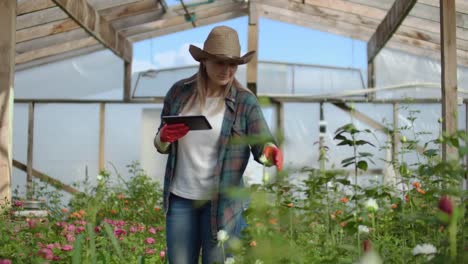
x=243, y=118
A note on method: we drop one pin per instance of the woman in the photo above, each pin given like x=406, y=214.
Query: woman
x=204, y=164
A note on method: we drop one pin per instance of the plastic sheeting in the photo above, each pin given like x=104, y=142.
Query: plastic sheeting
x=98, y=75
x=273, y=78
x=396, y=68
x=66, y=135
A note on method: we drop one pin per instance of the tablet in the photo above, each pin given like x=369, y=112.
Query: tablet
x=194, y=122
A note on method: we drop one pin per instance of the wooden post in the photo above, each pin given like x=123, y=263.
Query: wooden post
x=280, y=123
x=396, y=136
x=449, y=73
x=253, y=45
x=371, y=79
x=29, y=168
x=127, y=81
x=102, y=133
x=7, y=71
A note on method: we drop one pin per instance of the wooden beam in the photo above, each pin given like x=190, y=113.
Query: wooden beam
x=55, y=49
x=29, y=6
x=449, y=74
x=51, y=40
x=85, y=15
x=29, y=169
x=59, y=57
x=370, y=16
x=177, y=23
x=389, y=25
x=252, y=66
x=131, y=9
x=102, y=135
x=127, y=81
x=461, y=5
x=327, y=24
x=38, y=18
x=423, y=9
x=45, y=178
x=104, y=4
x=55, y=27
x=7, y=71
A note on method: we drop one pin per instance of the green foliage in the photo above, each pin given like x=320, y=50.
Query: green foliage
x=107, y=223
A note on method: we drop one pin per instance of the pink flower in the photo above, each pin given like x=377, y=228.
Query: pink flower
x=159, y=229
x=150, y=251
x=5, y=261
x=97, y=229
x=79, y=229
x=67, y=248
x=71, y=228
x=445, y=205
x=56, y=258
x=18, y=203
x=119, y=232
x=46, y=253
x=162, y=254
x=133, y=229
x=50, y=246
x=70, y=237
x=152, y=230
x=149, y=240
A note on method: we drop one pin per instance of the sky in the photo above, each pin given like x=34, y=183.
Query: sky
x=278, y=41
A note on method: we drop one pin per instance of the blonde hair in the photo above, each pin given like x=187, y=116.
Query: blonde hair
x=199, y=96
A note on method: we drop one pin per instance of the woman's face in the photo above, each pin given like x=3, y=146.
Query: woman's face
x=220, y=72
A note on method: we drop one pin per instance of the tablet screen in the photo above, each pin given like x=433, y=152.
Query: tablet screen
x=194, y=122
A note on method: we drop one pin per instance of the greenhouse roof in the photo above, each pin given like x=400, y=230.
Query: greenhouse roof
x=50, y=30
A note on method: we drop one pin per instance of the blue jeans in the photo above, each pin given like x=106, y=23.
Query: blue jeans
x=188, y=230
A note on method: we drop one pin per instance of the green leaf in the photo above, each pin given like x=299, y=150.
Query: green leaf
x=362, y=165
x=141, y=260
x=365, y=154
x=347, y=160
x=76, y=256
x=92, y=242
x=363, y=142
x=340, y=137
x=113, y=240
x=430, y=152
x=345, y=142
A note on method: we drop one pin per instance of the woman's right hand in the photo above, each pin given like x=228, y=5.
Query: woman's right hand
x=173, y=132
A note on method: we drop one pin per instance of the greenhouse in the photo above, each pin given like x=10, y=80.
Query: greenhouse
x=367, y=101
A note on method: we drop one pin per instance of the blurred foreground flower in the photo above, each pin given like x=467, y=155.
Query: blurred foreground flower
x=5, y=261
x=424, y=249
x=222, y=236
x=229, y=261
x=371, y=205
x=370, y=257
x=445, y=205
x=363, y=229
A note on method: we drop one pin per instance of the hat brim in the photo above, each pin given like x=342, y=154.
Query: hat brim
x=199, y=55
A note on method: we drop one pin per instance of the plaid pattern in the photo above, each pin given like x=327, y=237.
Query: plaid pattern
x=243, y=118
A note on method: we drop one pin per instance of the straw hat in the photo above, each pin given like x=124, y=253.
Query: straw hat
x=221, y=44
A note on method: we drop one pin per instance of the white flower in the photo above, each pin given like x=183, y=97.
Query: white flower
x=425, y=249
x=230, y=261
x=222, y=236
x=363, y=229
x=258, y=261
x=372, y=205
x=370, y=257
x=99, y=177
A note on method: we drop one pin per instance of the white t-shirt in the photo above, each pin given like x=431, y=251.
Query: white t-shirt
x=197, y=154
